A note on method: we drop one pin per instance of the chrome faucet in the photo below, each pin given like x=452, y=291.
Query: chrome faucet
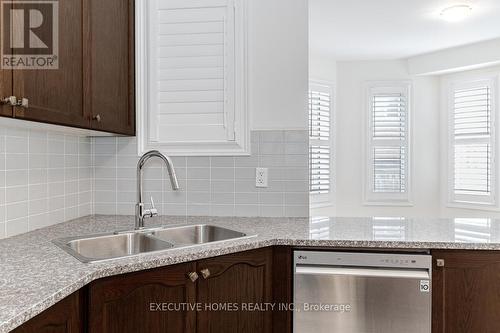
x=140, y=212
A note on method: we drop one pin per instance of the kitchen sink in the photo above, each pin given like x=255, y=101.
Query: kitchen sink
x=124, y=244
x=196, y=234
x=102, y=247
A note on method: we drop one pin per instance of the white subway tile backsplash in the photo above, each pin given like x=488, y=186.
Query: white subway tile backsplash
x=222, y=210
x=48, y=177
x=16, y=194
x=272, y=211
x=220, y=185
x=16, y=226
x=17, y=145
x=296, y=136
x=45, y=173
x=16, y=161
x=222, y=162
x=271, y=136
x=222, y=198
x=247, y=210
x=222, y=173
x=246, y=198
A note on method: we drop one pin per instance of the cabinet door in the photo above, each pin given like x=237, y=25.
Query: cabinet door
x=110, y=63
x=240, y=278
x=466, y=292
x=64, y=317
x=55, y=95
x=127, y=303
x=5, y=91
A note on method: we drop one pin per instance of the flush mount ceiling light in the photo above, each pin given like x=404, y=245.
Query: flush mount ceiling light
x=456, y=13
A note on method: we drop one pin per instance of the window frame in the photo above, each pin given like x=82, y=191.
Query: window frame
x=450, y=85
x=145, y=75
x=371, y=198
x=327, y=199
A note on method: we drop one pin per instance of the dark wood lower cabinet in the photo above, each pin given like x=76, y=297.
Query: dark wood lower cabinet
x=64, y=317
x=466, y=292
x=466, y=297
x=128, y=303
x=237, y=282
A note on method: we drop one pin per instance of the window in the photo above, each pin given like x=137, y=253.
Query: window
x=191, y=82
x=472, y=146
x=320, y=143
x=388, y=149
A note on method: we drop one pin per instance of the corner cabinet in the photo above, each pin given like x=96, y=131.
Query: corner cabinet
x=64, y=317
x=466, y=291
x=128, y=303
x=187, y=297
x=92, y=86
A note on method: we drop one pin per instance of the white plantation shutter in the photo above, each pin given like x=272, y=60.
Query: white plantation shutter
x=320, y=138
x=195, y=89
x=388, y=144
x=472, y=142
x=195, y=64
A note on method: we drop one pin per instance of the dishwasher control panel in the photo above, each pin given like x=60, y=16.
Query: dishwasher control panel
x=417, y=261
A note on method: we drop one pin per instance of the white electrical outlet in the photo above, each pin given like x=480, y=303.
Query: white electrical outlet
x=261, y=177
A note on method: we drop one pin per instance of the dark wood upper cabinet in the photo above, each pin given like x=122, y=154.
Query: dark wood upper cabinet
x=240, y=279
x=5, y=91
x=466, y=291
x=93, y=86
x=110, y=59
x=64, y=317
x=122, y=303
x=56, y=95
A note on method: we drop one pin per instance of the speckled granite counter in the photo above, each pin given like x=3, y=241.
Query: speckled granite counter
x=35, y=274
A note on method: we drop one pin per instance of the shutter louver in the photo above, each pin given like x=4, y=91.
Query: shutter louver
x=194, y=57
x=389, y=116
x=388, y=152
x=320, y=153
x=472, y=143
x=389, y=169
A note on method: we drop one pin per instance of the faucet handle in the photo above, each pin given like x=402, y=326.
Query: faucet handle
x=153, y=209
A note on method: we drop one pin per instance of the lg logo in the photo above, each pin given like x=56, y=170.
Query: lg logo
x=29, y=34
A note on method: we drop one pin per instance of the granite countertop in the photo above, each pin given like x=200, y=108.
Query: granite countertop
x=35, y=274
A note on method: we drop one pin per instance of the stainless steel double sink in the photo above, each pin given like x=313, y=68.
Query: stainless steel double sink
x=129, y=243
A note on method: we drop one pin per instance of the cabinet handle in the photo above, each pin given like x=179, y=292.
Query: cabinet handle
x=97, y=118
x=14, y=101
x=11, y=100
x=193, y=276
x=440, y=262
x=23, y=102
x=205, y=273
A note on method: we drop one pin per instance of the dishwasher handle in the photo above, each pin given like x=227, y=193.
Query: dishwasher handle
x=422, y=274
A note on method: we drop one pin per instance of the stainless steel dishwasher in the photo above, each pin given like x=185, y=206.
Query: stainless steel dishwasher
x=349, y=292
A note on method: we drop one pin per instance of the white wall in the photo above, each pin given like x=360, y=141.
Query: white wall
x=468, y=57
x=321, y=68
x=349, y=140
x=278, y=58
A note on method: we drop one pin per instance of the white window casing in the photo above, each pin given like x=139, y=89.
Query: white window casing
x=388, y=144
x=472, y=175
x=321, y=143
x=191, y=84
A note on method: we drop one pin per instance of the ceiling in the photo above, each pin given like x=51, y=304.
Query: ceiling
x=395, y=29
